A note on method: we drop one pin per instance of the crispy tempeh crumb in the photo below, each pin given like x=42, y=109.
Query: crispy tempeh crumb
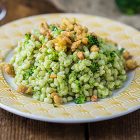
x=24, y=89
x=131, y=64
x=9, y=69
x=94, y=98
x=80, y=55
x=53, y=76
x=94, y=48
x=57, y=99
x=126, y=55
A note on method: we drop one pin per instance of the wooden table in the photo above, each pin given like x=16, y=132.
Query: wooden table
x=13, y=127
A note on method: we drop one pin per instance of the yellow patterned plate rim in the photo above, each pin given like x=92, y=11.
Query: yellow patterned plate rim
x=125, y=102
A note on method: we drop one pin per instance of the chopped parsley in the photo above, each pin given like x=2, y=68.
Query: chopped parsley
x=121, y=50
x=29, y=73
x=55, y=30
x=94, y=67
x=93, y=40
x=53, y=56
x=27, y=36
x=80, y=100
x=112, y=56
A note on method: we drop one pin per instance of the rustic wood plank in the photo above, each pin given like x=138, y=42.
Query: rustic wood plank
x=67, y=132
x=13, y=127
x=27, y=8
x=123, y=128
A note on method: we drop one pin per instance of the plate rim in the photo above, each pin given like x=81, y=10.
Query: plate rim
x=72, y=120
x=45, y=119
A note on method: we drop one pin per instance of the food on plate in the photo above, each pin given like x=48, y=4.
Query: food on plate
x=9, y=69
x=59, y=63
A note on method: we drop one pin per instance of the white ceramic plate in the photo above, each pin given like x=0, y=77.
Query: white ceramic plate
x=123, y=101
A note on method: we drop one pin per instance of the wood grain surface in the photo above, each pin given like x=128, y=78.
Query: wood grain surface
x=123, y=128
x=22, y=8
x=13, y=127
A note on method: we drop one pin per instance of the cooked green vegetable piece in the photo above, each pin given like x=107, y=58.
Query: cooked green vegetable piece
x=27, y=36
x=94, y=67
x=80, y=100
x=29, y=72
x=121, y=50
x=93, y=40
x=55, y=30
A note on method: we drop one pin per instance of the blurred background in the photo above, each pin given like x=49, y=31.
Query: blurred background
x=127, y=11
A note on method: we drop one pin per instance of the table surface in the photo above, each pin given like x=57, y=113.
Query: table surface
x=13, y=127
